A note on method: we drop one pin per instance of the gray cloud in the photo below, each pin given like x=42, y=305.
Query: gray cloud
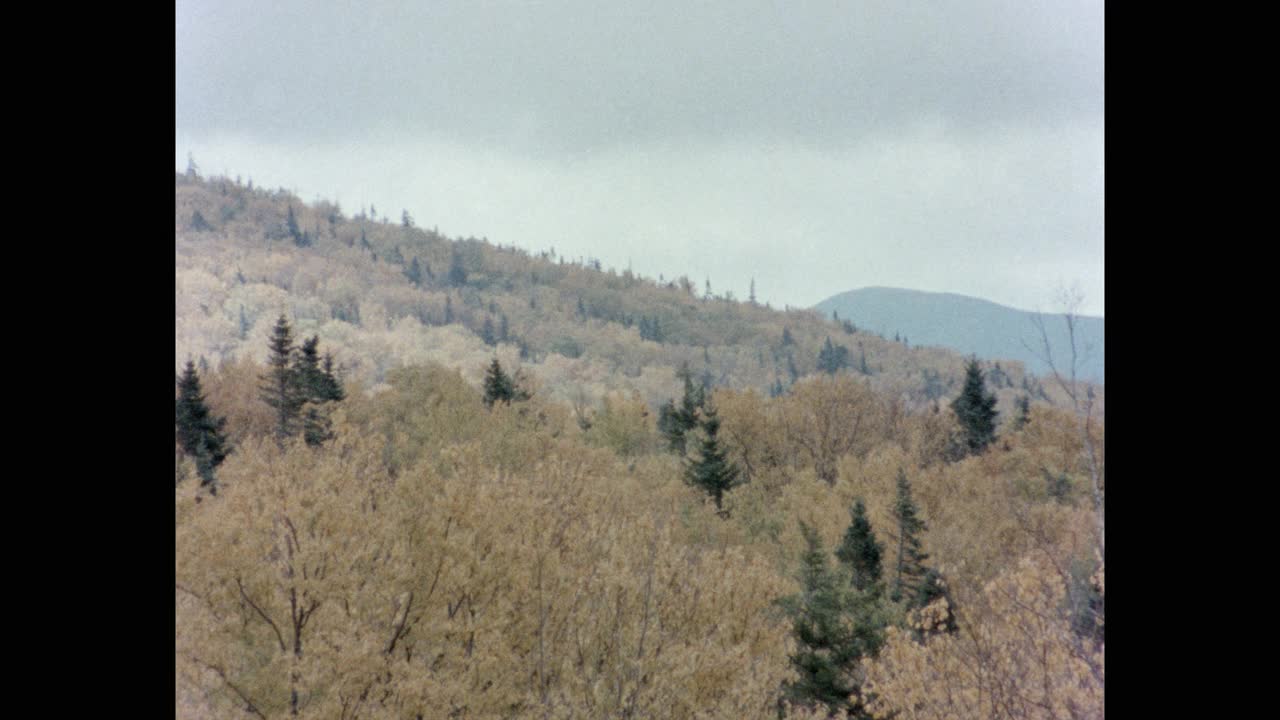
x=815, y=146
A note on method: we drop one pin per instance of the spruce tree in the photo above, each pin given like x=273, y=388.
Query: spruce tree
x=316, y=386
x=457, y=273
x=199, y=432
x=975, y=408
x=291, y=225
x=909, y=570
x=414, y=272
x=486, y=332
x=832, y=357
x=835, y=627
x=674, y=422
x=499, y=387
x=711, y=470
x=280, y=389
x=933, y=587
x=860, y=552
x=1023, y=406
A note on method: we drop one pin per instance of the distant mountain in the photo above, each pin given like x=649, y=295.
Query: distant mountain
x=969, y=325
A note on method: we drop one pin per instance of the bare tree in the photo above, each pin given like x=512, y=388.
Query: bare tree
x=1080, y=394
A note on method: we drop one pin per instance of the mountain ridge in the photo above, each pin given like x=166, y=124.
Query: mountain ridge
x=972, y=325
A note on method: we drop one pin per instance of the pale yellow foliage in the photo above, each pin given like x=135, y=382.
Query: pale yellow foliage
x=1015, y=656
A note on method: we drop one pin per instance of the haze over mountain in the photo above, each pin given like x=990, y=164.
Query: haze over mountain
x=972, y=326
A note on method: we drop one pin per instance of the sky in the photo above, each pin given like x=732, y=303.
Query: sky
x=815, y=147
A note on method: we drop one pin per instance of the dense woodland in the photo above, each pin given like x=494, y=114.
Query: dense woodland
x=419, y=477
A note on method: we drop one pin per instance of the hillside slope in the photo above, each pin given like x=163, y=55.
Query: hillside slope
x=244, y=255
x=970, y=326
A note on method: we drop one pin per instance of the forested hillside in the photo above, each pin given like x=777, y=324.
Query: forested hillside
x=423, y=477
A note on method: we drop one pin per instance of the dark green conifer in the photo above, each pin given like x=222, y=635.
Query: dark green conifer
x=457, y=273
x=486, y=332
x=711, y=470
x=291, y=225
x=199, y=432
x=835, y=627
x=975, y=408
x=316, y=386
x=414, y=272
x=909, y=569
x=1023, y=407
x=198, y=223
x=500, y=387
x=279, y=389
x=860, y=552
x=933, y=587
x=674, y=422
x=448, y=310
x=832, y=357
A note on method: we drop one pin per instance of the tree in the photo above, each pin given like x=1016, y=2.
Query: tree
x=1023, y=406
x=711, y=470
x=198, y=223
x=199, y=431
x=909, y=570
x=291, y=225
x=500, y=387
x=317, y=386
x=975, y=408
x=860, y=552
x=414, y=272
x=280, y=390
x=752, y=296
x=448, y=310
x=674, y=422
x=836, y=627
x=942, y=617
x=457, y=273
x=831, y=358
x=486, y=332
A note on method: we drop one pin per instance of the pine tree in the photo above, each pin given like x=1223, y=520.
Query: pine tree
x=316, y=386
x=457, y=273
x=835, y=627
x=414, y=272
x=499, y=387
x=832, y=357
x=909, y=570
x=975, y=408
x=291, y=225
x=244, y=325
x=1023, y=406
x=933, y=587
x=448, y=310
x=751, y=297
x=199, y=432
x=486, y=332
x=860, y=552
x=674, y=422
x=712, y=471
x=280, y=390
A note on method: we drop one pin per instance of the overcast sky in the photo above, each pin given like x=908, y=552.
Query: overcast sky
x=815, y=146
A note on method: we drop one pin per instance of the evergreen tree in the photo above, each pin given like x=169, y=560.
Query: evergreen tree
x=975, y=408
x=316, y=386
x=909, y=571
x=406, y=220
x=777, y=390
x=712, y=471
x=486, y=332
x=786, y=337
x=1023, y=406
x=791, y=369
x=448, y=310
x=244, y=325
x=860, y=552
x=751, y=297
x=291, y=225
x=414, y=272
x=199, y=432
x=457, y=273
x=280, y=390
x=198, y=223
x=674, y=422
x=832, y=357
x=933, y=587
x=835, y=627
x=500, y=387
x=504, y=329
